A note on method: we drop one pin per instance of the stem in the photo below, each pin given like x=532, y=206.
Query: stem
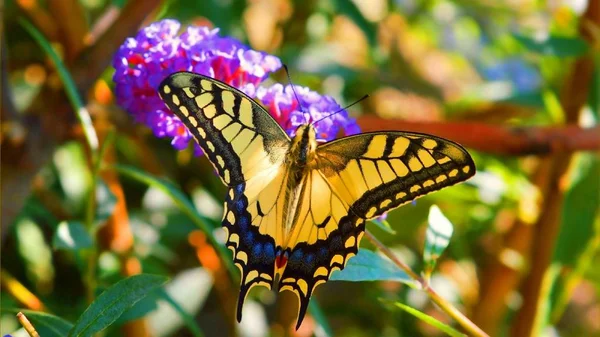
x=27, y=325
x=442, y=303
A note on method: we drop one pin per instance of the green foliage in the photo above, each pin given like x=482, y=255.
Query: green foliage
x=370, y=266
x=430, y=320
x=71, y=235
x=113, y=302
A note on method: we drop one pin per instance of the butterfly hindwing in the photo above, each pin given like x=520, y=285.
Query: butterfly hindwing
x=358, y=178
x=237, y=135
x=324, y=236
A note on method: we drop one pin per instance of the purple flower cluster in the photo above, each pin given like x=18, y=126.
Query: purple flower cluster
x=285, y=108
x=159, y=50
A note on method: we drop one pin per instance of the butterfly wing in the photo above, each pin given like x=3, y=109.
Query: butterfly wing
x=358, y=178
x=247, y=147
x=238, y=136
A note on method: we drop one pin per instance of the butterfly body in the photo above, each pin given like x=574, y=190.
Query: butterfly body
x=296, y=209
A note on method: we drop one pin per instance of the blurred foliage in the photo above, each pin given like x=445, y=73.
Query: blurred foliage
x=141, y=207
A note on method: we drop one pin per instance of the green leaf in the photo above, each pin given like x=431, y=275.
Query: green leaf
x=105, y=202
x=370, y=266
x=384, y=225
x=437, y=237
x=71, y=235
x=70, y=87
x=113, y=302
x=594, y=94
x=319, y=316
x=188, y=319
x=430, y=320
x=185, y=205
x=45, y=324
x=555, y=45
x=580, y=208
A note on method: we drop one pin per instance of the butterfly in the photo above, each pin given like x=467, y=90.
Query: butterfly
x=295, y=210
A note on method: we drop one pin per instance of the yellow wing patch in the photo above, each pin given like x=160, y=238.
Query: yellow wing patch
x=237, y=135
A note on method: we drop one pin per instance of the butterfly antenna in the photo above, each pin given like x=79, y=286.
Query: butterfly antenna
x=287, y=72
x=340, y=110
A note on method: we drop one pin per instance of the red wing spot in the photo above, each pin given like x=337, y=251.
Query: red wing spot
x=281, y=260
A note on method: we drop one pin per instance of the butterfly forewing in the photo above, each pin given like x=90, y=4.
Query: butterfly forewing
x=237, y=135
x=377, y=172
x=247, y=148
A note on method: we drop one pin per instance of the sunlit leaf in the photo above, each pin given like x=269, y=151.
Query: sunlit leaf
x=113, y=302
x=317, y=313
x=187, y=318
x=555, y=45
x=383, y=224
x=370, y=266
x=581, y=206
x=437, y=237
x=71, y=235
x=105, y=201
x=430, y=320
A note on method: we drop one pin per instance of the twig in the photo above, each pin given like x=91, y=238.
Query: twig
x=27, y=325
x=40, y=18
x=93, y=61
x=446, y=306
x=20, y=292
x=499, y=140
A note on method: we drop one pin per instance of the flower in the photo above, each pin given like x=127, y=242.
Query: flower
x=329, y=117
x=158, y=50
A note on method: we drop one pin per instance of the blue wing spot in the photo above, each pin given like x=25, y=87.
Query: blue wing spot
x=310, y=258
x=269, y=251
x=297, y=255
x=322, y=252
x=249, y=238
x=257, y=249
x=243, y=223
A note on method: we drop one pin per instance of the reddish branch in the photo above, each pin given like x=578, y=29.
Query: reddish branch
x=501, y=140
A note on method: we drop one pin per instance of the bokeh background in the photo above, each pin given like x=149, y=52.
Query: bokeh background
x=517, y=82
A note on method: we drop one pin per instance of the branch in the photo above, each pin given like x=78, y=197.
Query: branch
x=93, y=61
x=500, y=140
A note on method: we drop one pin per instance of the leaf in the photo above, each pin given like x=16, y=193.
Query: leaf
x=581, y=206
x=430, y=320
x=188, y=319
x=437, y=238
x=105, y=202
x=384, y=225
x=319, y=316
x=594, y=94
x=185, y=205
x=71, y=235
x=70, y=87
x=370, y=266
x=46, y=325
x=555, y=45
x=113, y=302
